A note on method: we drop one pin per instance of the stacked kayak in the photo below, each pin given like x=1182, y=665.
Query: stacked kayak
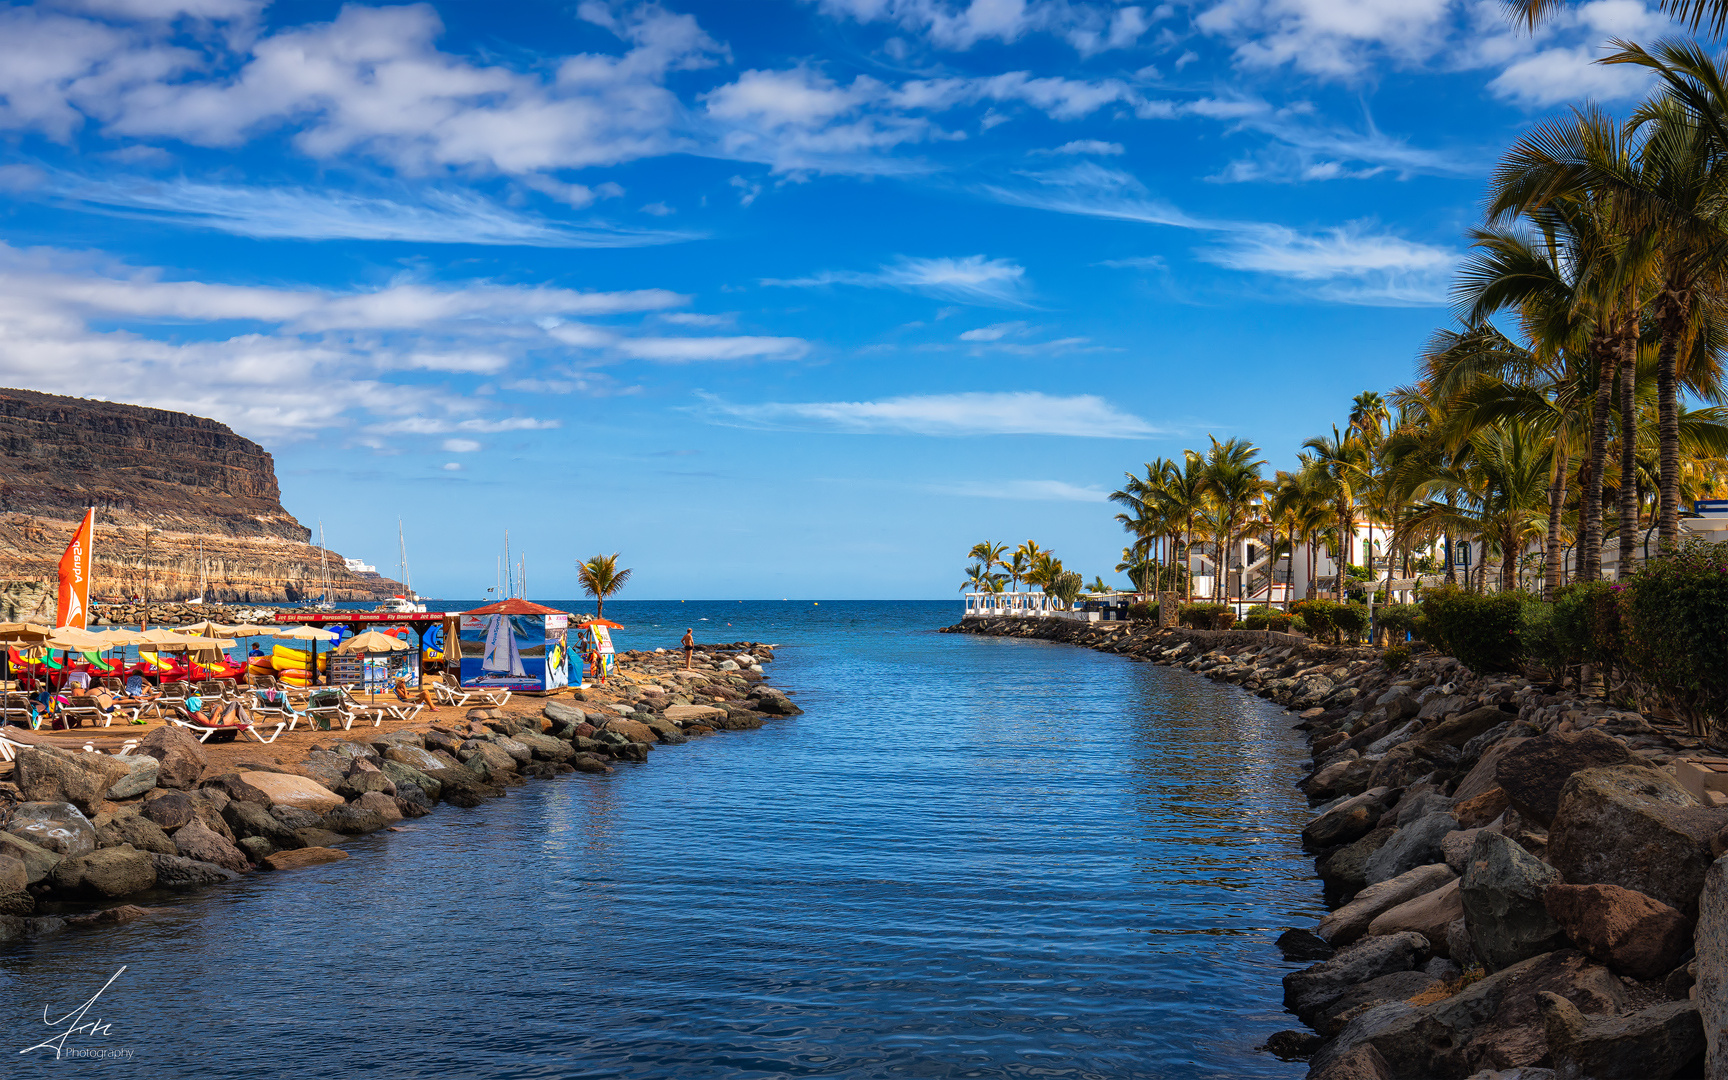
x=292, y=666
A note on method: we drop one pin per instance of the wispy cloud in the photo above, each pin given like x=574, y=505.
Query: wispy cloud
x=1024, y=491
x=1083, y=146
x=1353, y=263
x=438, y=216
x=684, y=350
x=980, y=413
x=973, y=279
x=994, y=332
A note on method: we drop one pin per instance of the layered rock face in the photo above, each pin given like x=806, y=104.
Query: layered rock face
x=161, y=482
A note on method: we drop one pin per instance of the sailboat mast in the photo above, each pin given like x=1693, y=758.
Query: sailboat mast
x=402, y=544
x=509, y=585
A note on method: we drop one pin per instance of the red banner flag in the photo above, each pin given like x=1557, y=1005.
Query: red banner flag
x=75, y=575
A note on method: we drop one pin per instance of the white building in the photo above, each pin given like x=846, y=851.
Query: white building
x=355, y=566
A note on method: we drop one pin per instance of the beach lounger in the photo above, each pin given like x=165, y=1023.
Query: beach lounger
x=196, y=723
x=262, y=705
x=11, y=739
x=89, y=707
x=333, y=705
x=450, y=692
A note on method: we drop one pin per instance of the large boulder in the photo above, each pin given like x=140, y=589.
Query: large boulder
x=248, y=819
x=1346, y=869
x=700, y=714
x=51, y=775
x=1430, y=915
x=1484, y=775
x=180, y=873
x=409, y=776
x=1351, y=921
x=545, y=747
x=181, y=756
x=1633, y=934
x=38, y=861
x=562, y=714
x=460, y=787
x=1309, y=993
x=105, y=874
x=310, y=856
x=1344, y=822
x=196, y=841
x=140, y=775
x=415, y=757
x=170, y=811
x=1502, y=894
x=1495, y=1023
x=138, y=831
x=766, y=699
x=54, y=826
x=1455, y=731
x=493, y=758
x=1533, y=773
x=1651, y=1044
x=238, y=789
x=1419, y=843
x=352, y=819
x=360, y=780
x=286, y=789
x=633, y=730
x=1711, y=941
x=1636, y=827
x=518, y=750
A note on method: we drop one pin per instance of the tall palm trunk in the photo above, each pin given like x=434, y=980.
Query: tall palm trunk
x=1590, y=559
x=1344, y=539
x=1672, y=322
x=1556, y=507
x=1628, y=460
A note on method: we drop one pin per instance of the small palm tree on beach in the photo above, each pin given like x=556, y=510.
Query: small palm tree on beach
x=600, y=578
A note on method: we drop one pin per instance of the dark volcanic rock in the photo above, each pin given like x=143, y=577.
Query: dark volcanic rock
x=1630, y=932
x=1533, y=773
x=1636, y=827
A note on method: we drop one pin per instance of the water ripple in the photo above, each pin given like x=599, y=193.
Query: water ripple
x=969, y=858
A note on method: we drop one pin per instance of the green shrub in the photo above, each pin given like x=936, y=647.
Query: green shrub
x=1225, y=619
x=1257, y=618
x=1280, y=622
x=1317, y=617
x=1143, y=611
x=1397, y=620
x=1298, y=625
x=1351, y=620
x=1204, y=616
x=1480, y=630
x=1396, y=658
x=1675, y=611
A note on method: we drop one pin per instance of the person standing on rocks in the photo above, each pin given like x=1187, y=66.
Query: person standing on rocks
x=689, y=644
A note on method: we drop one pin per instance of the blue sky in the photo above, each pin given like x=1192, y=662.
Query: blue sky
x=778, y=297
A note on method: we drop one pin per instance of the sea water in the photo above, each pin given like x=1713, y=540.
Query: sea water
x=969, y=857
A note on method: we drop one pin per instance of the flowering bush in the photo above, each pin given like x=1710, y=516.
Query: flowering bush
x=1480, y=630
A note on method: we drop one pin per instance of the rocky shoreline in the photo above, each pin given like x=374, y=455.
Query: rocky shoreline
x=1525, y=883
x=93, y=837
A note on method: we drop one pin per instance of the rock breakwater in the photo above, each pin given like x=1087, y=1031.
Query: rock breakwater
x=1524, y=882
x=80, y=828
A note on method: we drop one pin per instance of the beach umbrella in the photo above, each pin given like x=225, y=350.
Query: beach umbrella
x=24, y=631
x=248, y=630
x=73, y=639
x=369, y=642
x=207, y=629
x=308, y=633
x=585, y=623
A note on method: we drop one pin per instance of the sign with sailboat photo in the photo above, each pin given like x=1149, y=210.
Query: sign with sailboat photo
x=515, y=645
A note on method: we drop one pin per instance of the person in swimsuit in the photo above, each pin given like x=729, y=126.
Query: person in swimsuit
x=689, y=644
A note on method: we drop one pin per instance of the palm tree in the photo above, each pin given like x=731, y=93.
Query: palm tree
x=1233, y=483
x=988, y=555
x=1712, y=15
x=600, y=578
x=1340, y=463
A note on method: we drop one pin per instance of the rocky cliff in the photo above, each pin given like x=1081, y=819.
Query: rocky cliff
x=162, y=483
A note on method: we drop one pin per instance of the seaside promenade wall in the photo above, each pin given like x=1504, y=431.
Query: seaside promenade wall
x=1519, y=877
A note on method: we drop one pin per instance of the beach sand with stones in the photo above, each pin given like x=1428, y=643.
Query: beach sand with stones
x=94, y=836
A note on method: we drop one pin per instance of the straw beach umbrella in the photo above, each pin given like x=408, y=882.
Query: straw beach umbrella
x=308, y=633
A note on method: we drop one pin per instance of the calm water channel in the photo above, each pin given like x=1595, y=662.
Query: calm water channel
x=969, y=858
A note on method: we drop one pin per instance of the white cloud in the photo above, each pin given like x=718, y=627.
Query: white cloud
x=1554, y=76
x=1335, y=38
x=1084, y=146
x=461, y=446
x=995, y=332
x=983, y=413
x=685, y=350
x=1024, y=491
x=1345, y=264
x=452, y=466
x=973, y=279
x=433, y=216
x=961, y=24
